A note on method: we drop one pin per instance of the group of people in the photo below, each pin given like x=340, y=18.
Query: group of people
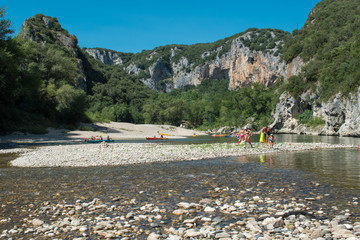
x=244, y=136
x=96, y=138
x=265, y=136
x=99, y=138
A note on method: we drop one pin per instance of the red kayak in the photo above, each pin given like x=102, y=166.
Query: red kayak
x=155, y=138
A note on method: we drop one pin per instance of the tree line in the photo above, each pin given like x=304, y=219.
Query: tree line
x=38, y=82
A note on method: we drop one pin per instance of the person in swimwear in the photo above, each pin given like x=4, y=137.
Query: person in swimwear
x=247, y=134
x=271, y=140
x=241, y=136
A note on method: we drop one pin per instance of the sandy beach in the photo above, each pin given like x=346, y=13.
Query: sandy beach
x=57, y=200
x=81, y=154
x=115, y=130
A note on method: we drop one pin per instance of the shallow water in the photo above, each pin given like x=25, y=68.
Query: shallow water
x=340, y=167
x=25, y=191
x=329, y=175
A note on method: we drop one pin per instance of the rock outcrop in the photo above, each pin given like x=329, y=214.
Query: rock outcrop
x=341, y=114
x=240, y=64
x=47, y=30
x=105, y=56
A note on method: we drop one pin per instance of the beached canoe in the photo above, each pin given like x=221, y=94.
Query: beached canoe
x=155, y=138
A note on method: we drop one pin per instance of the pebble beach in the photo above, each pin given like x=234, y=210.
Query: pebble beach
x=205, y=199
x=112, y=154
x=161, y=191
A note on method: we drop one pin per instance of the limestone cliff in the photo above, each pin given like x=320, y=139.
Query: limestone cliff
x=108, y=57
x=240, y=64
x=341, y=114
x=243, y=66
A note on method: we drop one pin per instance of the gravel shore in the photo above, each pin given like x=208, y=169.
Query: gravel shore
x=173, y=201
x=112, y=154
x=206, y=219
x=168, y=200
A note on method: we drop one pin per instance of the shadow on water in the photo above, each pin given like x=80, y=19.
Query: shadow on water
x=6, y=158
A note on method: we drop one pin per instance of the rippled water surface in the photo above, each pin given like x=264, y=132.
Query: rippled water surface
x=334, y=173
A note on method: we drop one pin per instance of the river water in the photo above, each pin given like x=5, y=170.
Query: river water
x=334, y=166
x=322, y=172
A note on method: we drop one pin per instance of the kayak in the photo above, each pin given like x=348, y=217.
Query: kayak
x=164, y=134
x=232, y=135
x=155, y=138
x=218, y=135
x=98, y=141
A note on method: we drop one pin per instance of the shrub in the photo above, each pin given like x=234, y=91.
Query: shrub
x=307, y=118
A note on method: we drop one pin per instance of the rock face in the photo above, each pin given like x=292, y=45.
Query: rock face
x=240, y=64
x=159, y=72
x=47, y=30
x=105, y=56
x=341, y=115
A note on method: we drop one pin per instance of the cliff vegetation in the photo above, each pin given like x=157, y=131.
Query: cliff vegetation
x=330, y=44
x=47, y=80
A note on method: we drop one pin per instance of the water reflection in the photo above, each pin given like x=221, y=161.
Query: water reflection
x=339, y=166
x=318, y=139
x=335, y=166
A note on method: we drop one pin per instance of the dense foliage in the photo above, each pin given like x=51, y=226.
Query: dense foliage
x=37, y=85
x=121, y=98
x=42, y=71
x=308, y=119
x=330, y=43
x=265, y=40
x=212, y=105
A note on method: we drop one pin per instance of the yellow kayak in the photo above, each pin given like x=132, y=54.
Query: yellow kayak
x=164, y=134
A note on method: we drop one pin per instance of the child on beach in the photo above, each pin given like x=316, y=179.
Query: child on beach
x=271, y=140
x=240, y=136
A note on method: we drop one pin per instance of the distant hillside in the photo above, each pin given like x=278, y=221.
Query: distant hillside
x=245, y=58
x=300, y=81
x=330, y=44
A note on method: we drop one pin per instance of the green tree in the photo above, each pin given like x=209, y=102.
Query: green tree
x=70, y=103
x=5, y=25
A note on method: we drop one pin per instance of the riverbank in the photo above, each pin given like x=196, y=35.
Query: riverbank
x=209, y=199
x=112, y=154
x=115, y=130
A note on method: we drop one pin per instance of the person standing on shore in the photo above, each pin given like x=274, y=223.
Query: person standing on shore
x=268, y=133
x=263, y=134
x=247, y=134
x=241, y=136
x=271, y=141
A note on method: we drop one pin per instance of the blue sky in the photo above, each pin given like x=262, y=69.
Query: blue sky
x=133, y=26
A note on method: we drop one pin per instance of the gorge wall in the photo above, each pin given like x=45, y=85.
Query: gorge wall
x=240, y=64
x=172, y=67
x=341, y=114
x=243, y=66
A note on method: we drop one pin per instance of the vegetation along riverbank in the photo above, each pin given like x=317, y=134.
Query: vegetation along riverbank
x=306, y=81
